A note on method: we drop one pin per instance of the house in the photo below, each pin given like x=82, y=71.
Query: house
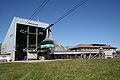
x=95, y=50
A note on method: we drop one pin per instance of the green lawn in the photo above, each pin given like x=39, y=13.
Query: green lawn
x=62, y=70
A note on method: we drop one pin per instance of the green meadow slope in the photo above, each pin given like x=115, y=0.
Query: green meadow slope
x=62, y=70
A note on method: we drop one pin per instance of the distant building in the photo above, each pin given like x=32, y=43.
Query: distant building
x=95, y=50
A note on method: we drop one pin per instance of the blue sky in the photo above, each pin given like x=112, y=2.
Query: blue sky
x=97, y=21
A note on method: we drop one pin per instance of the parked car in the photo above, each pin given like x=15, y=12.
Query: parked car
x=5, y=58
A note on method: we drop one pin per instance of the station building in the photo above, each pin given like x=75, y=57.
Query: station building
x=23, y=35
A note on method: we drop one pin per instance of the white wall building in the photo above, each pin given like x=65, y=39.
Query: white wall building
x=23, y=34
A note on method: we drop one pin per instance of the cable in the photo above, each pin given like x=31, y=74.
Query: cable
x=70, y=11
x=44, y=3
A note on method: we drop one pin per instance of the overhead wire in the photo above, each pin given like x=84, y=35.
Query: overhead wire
x=70, y=11
x=66, y=14
x=43, y=4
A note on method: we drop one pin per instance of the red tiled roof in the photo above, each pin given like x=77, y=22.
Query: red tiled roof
x=93, y=46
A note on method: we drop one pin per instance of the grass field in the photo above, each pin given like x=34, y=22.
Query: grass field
x=62, y=70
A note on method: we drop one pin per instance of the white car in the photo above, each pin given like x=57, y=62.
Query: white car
x=5, y=58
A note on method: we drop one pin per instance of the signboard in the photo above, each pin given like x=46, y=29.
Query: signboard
x=47, y=46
